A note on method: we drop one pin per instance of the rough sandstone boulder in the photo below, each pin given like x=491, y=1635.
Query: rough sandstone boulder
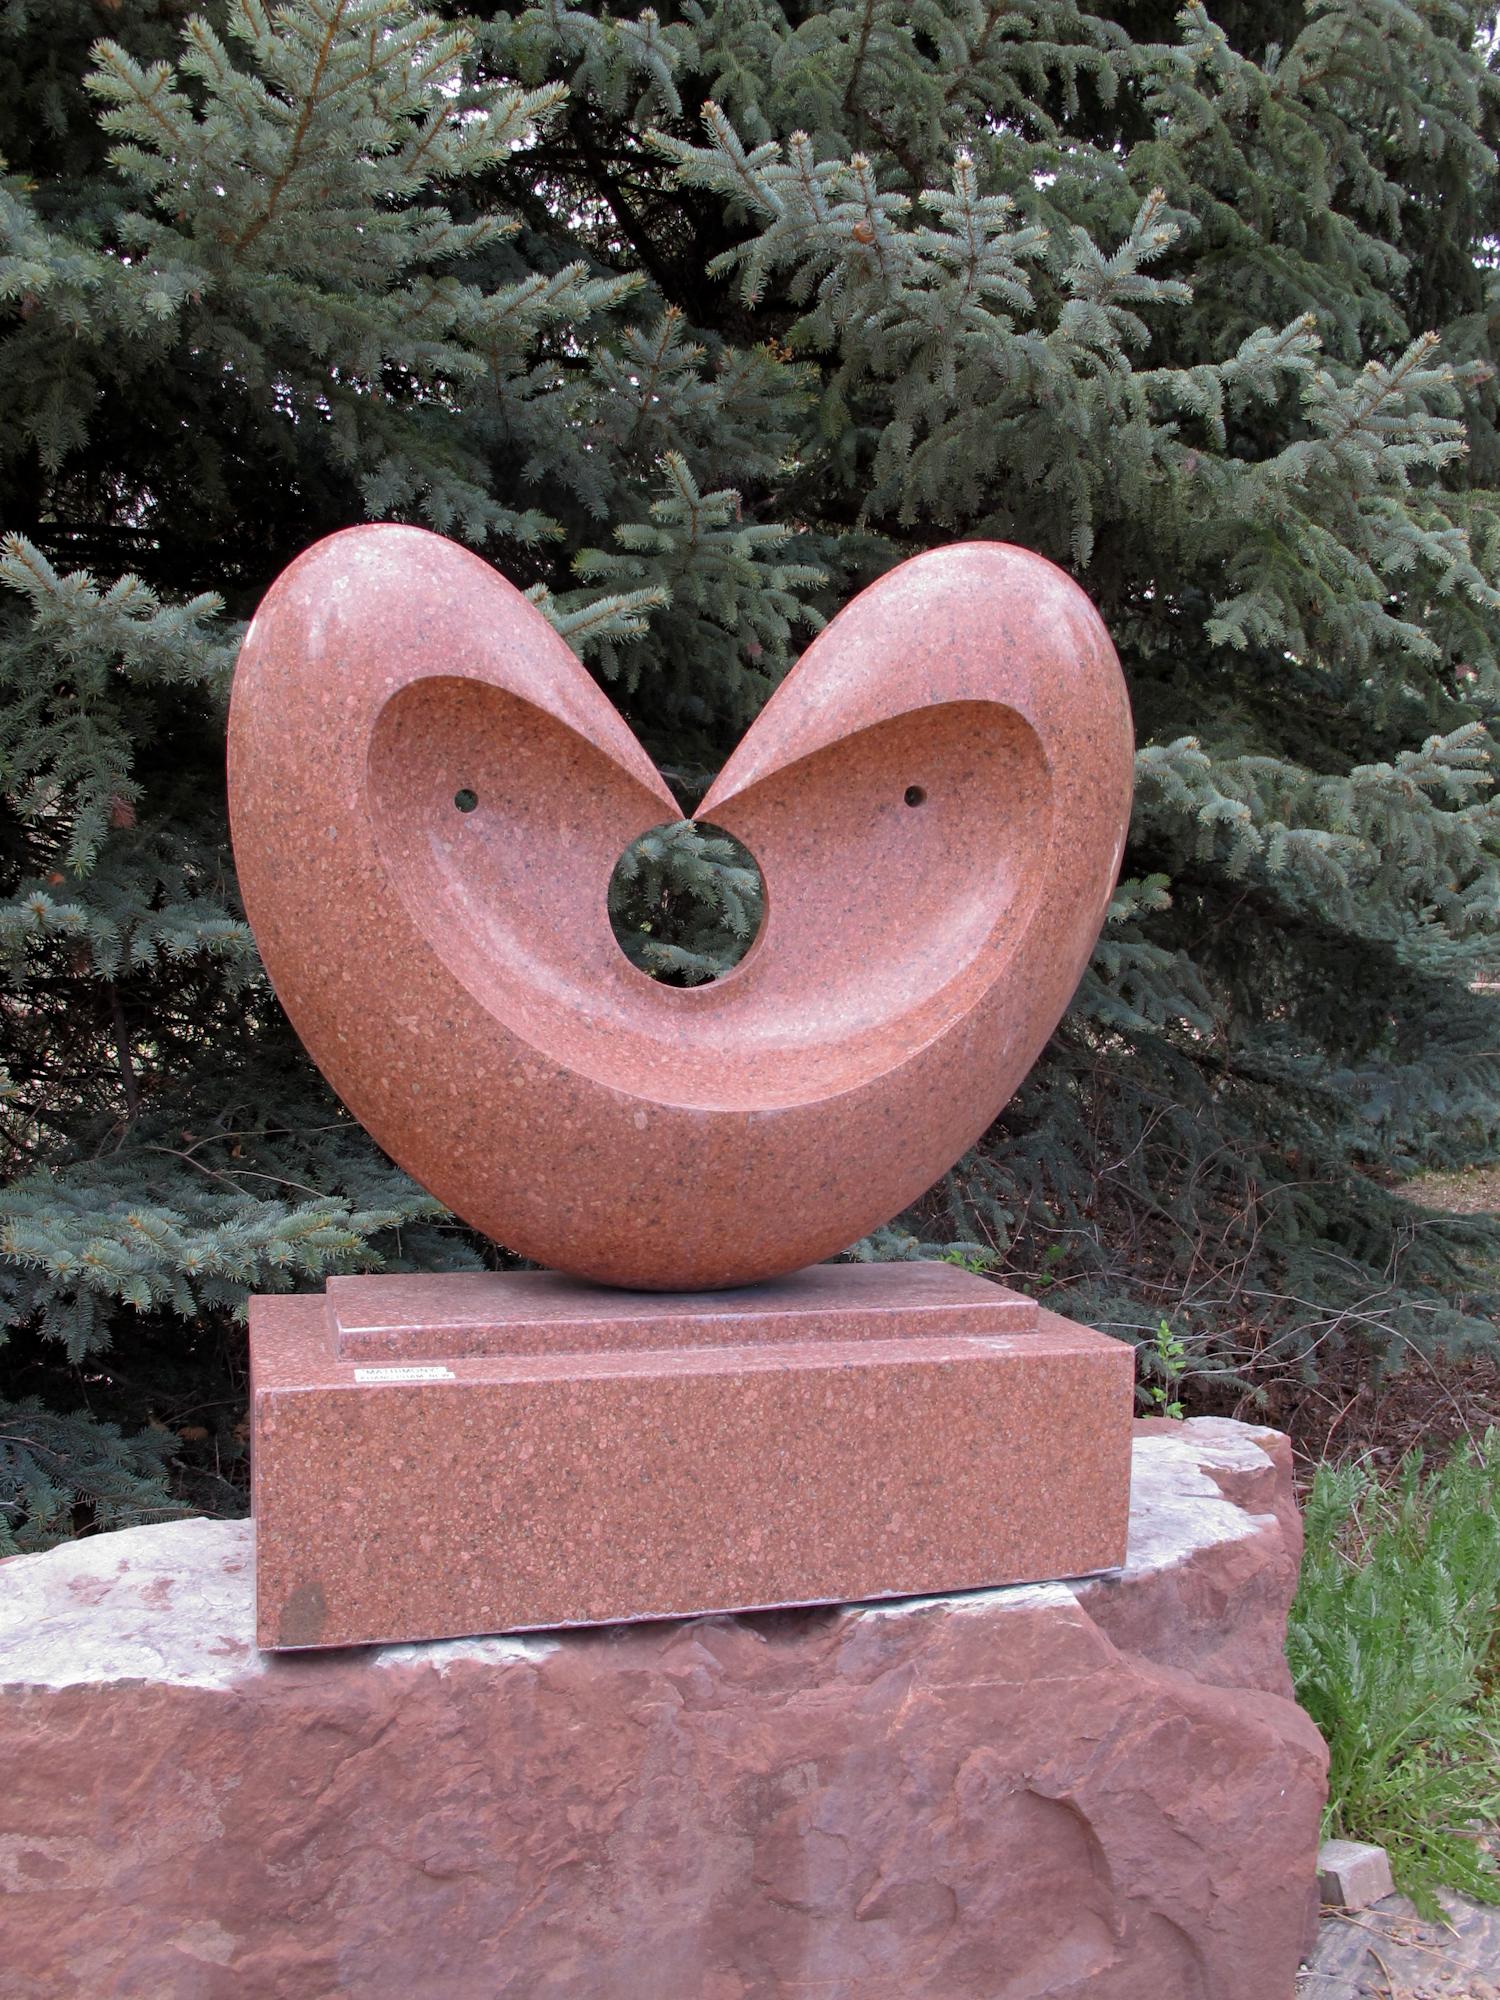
x=1099, y=1789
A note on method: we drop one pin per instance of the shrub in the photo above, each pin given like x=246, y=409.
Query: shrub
x=1395, y=1648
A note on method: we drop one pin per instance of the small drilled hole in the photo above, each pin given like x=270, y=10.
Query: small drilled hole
x=915, y=796
x=466, y=800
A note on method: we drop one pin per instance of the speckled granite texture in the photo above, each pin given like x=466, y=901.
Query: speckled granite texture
x=1095, y=1791
x=543, y=1312
x=449, y=1455
x=937, y=797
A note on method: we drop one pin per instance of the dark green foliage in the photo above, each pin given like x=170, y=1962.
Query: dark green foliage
x=1394, y=1645
x=695, y=321
x=686, y=902
x=54, y=1468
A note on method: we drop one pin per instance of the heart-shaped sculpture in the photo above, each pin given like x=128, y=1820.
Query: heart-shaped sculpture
x=429, y=796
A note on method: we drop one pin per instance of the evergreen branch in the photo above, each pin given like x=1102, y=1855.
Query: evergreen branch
x=333, y=19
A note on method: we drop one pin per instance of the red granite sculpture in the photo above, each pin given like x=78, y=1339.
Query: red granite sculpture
x=937, y=797
x=429, y=796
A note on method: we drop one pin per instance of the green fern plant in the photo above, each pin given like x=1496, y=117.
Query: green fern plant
x=1394, y=1645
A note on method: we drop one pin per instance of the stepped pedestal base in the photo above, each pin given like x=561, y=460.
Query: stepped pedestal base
x=444, y=1456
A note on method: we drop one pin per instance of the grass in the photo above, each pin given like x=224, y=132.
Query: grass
x=1395, y=1648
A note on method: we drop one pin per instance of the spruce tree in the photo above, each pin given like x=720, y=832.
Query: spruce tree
x=695, y=320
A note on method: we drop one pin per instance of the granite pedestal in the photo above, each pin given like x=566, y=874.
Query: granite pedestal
x=441, y=1456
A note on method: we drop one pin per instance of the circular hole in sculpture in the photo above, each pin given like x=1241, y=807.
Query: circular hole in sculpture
x=915, y=795
x=465, y=800
x=686, y=902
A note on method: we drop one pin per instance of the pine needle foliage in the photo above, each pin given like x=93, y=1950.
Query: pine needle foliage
x=695, y=320
x=54, y=1468
x=1394, y=1644
x=686, y=902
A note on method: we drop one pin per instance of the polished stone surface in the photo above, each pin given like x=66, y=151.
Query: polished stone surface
x=430, y=1459
x=454, y=973
x=542, y=1312
x=1095, y=1791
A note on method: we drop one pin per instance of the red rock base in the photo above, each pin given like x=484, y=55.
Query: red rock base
x=442, y=1456
x=1096, y=1791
